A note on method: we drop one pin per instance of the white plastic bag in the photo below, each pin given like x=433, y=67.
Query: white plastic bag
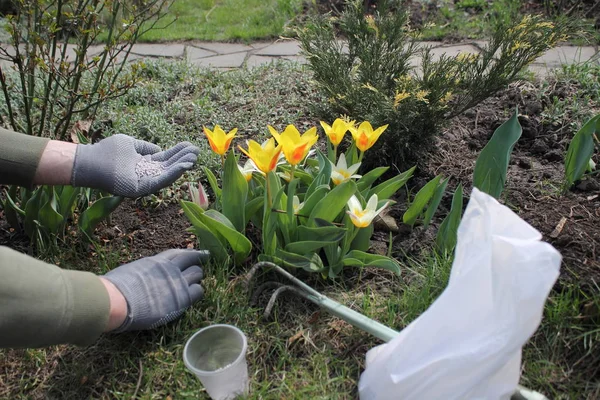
x=467, y=345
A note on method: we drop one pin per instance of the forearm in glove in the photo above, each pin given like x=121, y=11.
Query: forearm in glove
x=160, y=288
x=130, y=167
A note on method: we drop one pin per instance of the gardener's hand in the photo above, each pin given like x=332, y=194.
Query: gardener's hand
x=154, y=290
x=130, y=167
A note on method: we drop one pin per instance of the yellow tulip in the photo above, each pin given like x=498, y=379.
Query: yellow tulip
x=361, y=218
x=365, y=137
x=336, y=132
x=264, y=157
x=219, y=140
x=295, y=147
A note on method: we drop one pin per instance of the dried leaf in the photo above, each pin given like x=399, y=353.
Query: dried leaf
x=559, y=228
x=81, y=127
x=295, y=337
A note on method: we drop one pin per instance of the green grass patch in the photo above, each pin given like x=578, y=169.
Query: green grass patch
x=571, y=95
x=225, y=20
x=300, y=352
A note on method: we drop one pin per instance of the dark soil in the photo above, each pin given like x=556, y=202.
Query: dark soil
x=145, y=231
x=534, y=183
x=135, y=231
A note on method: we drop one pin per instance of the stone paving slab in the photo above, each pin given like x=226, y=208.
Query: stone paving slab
x=173, y=50
x=194, y=53
x=256, y=61
x=234, y=60
x=131, y=57
x=260, y=45
x=298, y=59
x=222, y=48
x=566, y=54
x=283, y=48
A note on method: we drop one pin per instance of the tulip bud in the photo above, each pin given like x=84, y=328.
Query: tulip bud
x=199, y=196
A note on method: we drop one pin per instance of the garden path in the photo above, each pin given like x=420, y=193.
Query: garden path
x=236, y=55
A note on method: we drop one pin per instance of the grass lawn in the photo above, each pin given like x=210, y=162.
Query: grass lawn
x=224, y=20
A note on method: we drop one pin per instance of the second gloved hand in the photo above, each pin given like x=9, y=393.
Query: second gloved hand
x=160, y=288
x=130, y=167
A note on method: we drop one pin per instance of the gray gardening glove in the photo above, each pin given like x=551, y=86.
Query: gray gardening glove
x=130, y=167
x=160, y=288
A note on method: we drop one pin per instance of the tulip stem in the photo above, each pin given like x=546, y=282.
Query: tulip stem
x=223, y=161
x=360, y=156
x=292, y=169
x=348, y=242
x=335, y=146
x=269, y=203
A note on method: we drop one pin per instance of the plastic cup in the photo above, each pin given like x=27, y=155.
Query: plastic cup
x=217, y=356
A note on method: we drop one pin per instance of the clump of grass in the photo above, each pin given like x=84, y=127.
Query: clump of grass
x=571, y=95
x=561, y=358
x=472, y=19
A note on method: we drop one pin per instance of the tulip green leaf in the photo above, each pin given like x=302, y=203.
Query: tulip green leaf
x=32, y=208
x=369, y=178
x=66, y=200
x=311, y=262
x=239, y=243
x=9, y=198
x=221, y=227
x=291, y=218
x=323, y=176
x=422, y=198
x=447, y=234
x=49, y=217
x=580, y=151
x=313, y=199
x=386, y=189
x=97, y=212
x=306, y=246
x=333, y=203
x=208, y=239
x=235, y=192
x=11, y=211
x=329, y=234
x=352, y=154
x=269, y=225
x=435, y=202
x=358, y=258
x=253, y=207
x=491, y=166
x=212, y=181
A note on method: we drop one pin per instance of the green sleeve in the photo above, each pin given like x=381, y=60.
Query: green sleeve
x=42, y=305
x=19, y=157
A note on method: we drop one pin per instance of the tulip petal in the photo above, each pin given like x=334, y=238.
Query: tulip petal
x=372, y=203
x=354, y=204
